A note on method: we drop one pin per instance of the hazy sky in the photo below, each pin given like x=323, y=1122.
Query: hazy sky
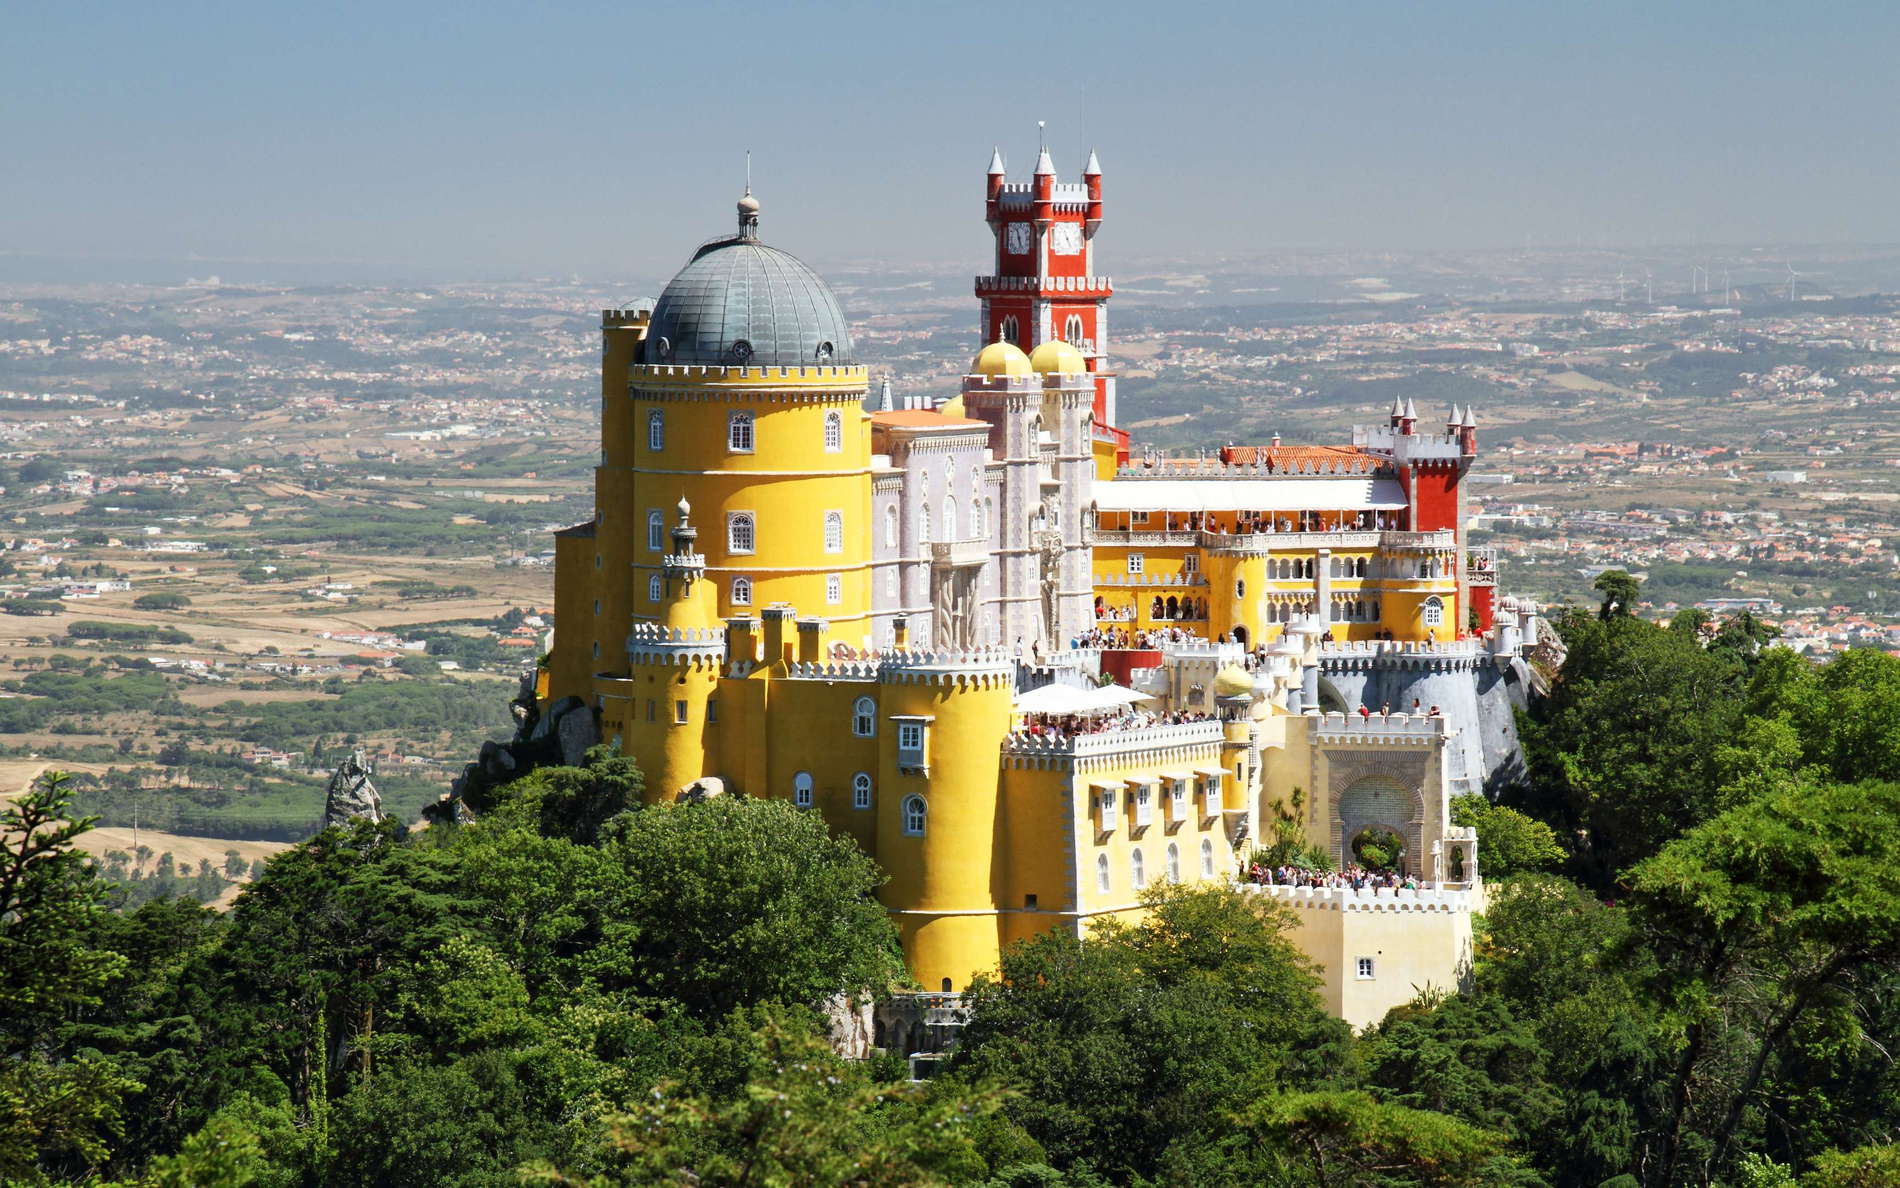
x=472, y=139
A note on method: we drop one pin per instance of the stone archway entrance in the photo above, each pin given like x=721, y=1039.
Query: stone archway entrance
x=1374, y=803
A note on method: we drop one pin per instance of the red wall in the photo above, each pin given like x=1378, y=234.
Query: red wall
x=1434, y=497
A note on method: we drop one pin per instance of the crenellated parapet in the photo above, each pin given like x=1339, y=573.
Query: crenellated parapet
x=833, y=670
x=1408, y=730
x=1370, y=655
x=654, y=643
x=1368, y=899
x=1175, y=743
x=981, y=668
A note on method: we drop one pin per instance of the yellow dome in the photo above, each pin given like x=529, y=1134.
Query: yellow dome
x=1000, y=358
x=1232, y=682
x=953, y=407
x=1057, y=356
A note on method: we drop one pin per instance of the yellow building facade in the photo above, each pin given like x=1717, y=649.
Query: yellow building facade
x=1029, y=690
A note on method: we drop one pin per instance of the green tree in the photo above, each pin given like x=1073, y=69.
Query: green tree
x=1508, y=841
x=55, y=1110
x=1334, y=1139
x=1619, y=591
x=1142, y=1037
x=733, y=902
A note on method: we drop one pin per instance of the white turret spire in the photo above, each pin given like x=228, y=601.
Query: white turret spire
x=1471, y=417
x=884, y=396
x=1043, y=163
x=1411, y=409
x=1093, y=168
x=996, y=161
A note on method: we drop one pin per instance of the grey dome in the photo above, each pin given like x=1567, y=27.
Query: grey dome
x=739, y=301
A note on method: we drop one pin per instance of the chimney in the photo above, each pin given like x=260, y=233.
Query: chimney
x=900, y=633
x=778, y=649
x=742, y=638
x=811, y=641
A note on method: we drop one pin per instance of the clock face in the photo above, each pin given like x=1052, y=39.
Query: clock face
x=1066, y=239
x=1017, y=239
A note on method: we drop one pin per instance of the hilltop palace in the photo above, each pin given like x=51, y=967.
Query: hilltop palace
x=1028, y=669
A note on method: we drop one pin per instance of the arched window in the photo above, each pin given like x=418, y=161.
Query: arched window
x=861, y=790
x=656, y=431
x=834, y=432
x=656, y=530
x=834, y=532
x=1103, y=881
x=1011, y=332
x=915, y=813
x=653, y=588
x=1137, y=870
x=740, y=536
x=923, y=523
x=949, y=517
x=864, y=717
x=1174, y=863
x=739, y=432
x=890, y=584
x=890, y=526
x=1434, y=611
x=1073, y=331
x=1240, y=589
x=801, y=789
x=1207, y=858
x=989, y=517
x=741, y=591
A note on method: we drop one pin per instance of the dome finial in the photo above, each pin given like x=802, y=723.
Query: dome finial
x=748, y=205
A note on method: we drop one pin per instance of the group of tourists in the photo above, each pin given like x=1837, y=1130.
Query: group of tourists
x=1061, y=726
x=1357, y=878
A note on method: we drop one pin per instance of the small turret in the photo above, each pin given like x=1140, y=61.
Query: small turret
x=748, y=215
x=996, y=173
x=1453, y=420
x=1398, y=412
x=1092, y=178
x=1468, y=434
x=1408, y=419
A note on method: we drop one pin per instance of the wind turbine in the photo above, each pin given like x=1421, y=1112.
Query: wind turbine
x=1792, y=277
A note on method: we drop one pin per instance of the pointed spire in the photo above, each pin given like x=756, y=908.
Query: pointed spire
x=1471, y=417
x=996, y=161
x=1454, y=417
x=1093, y=168
x=1398, y=407
x=1411, y=409
x=884, y=396
x=1043, y=163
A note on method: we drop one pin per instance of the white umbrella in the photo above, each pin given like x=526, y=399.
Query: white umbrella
x=1056, y=699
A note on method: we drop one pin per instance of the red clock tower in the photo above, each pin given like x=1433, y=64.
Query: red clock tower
x=1044, y=284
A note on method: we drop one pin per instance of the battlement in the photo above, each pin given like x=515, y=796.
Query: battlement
x=655, y=642
x=1113, y=742
x=1453, y=898
x=834, y=670
x=1212, y=468
x=1409, y=447
x=1093, y=285
x=1379, y=728
x=1158, y=581
x=1022, y=385
x=637, y=315
x=980, y=667
x=850, y=374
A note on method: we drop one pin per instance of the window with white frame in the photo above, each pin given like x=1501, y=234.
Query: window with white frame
x=910, y=742
x=949, y=517
x=861, y=790
x=1207, y=858
x=916, y=812
x=1434, y=611
x=654, y=588
x=741, y=532
x=834, y=432
x=1105, y=812
x=1104, y=881
x=1191, y=562
x=890, y=526
x=834, y=589
x=1012, y=331
x=1137, y=562
x=1364, y=965
x=801, y=789
x=923, y=523
x=656, y=431
x=1137, y=869
x=656, y=531
x=739, y=432
x=1174, y=863
x=1072, y=330
x=1178, y=800
x=864, y=717
x=1144, y=811
x=834, y=532
x=1210, y=788
x=890, y=584
x=741, y=591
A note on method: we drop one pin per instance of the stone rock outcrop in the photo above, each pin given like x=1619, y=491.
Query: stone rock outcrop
x=351, y=796
x=561, y=736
